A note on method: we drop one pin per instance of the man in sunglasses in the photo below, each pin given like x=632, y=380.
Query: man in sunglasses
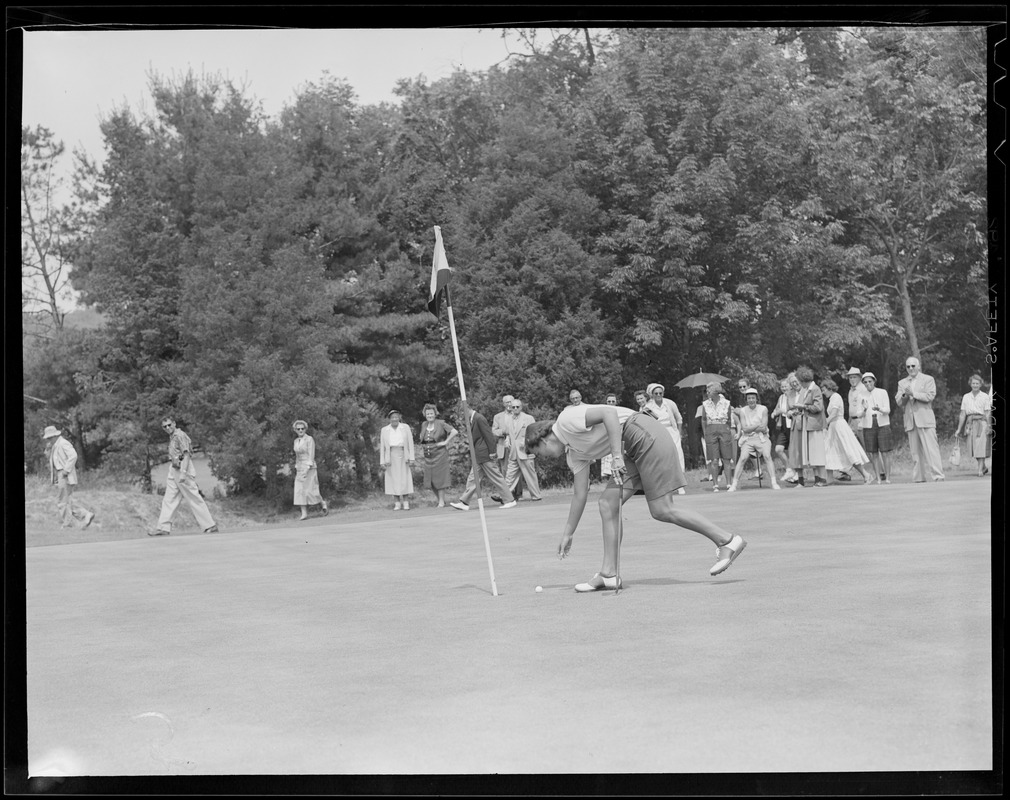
x=915, y=394
x=181, y=483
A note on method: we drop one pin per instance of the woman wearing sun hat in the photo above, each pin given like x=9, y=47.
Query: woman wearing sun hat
x=396, y=458
x=666, y=411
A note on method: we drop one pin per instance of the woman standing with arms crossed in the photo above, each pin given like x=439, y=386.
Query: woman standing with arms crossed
x=435, y=437
x=306, y=477
x=396, y=458
x=976, y=420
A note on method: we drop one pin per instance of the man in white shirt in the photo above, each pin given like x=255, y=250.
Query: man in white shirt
x=63, y=474
x=643, y=457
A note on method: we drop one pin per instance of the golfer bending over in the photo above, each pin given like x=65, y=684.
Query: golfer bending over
x=586, y=433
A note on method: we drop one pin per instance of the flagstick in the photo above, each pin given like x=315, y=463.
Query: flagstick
x=469, y=438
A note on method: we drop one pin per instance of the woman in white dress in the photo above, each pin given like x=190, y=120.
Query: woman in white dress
x=975, y=421
x=306, y=477
x=396, y=458
x=666, y=411
x=842, y=449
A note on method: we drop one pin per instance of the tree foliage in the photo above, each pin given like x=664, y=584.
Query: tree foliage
x=618, y=207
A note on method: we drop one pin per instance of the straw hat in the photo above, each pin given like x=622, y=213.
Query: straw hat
x=51, y=432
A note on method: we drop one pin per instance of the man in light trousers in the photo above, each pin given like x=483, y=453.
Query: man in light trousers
x=181, y=483
x=63, y=473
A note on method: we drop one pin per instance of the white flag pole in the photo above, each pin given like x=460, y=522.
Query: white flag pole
x=469, y=437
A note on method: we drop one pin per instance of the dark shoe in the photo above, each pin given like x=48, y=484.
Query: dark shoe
x=212, y=529
x=843, y=476
x=496, y=498
x=159, y=533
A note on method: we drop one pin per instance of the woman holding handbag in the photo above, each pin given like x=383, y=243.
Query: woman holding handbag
x=975, y=421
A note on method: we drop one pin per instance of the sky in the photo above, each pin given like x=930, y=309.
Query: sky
x=72, y=78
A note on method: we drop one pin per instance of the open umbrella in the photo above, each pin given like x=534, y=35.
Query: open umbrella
x=699, y=379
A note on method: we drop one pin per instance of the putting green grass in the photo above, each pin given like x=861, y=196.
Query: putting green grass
x=854, y=634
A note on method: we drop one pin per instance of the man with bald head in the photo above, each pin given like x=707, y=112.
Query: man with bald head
x=915, y=394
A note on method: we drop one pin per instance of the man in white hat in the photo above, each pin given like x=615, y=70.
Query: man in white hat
x=63, y=473
x=857, y=408
x=858, y=397
x=180, y=483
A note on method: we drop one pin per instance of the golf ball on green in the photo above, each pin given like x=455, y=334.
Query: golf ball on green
x=539, y=589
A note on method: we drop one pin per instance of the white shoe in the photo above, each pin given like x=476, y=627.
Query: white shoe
x=727, y=554
x=598, y=582
x=406, y=506
x=732, y=488
x=460, y=506
x=776, y=486
x=396, y=506
x=682, y=490
x=513, y=504
x=88, y=519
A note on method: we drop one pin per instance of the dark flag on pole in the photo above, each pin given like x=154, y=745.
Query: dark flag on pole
x=439, y=275
x=440, y=289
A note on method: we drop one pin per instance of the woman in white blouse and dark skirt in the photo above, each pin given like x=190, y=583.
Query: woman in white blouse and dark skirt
x=396, y=458
x=976, y=423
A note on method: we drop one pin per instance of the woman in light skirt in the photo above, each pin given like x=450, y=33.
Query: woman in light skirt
x=306, y=477
x=842, y=449
x=976, y=423
x=396, y=458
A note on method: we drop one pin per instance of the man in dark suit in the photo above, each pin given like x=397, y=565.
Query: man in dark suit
x=484, y=445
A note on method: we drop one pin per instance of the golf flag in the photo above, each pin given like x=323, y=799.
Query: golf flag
x=439, y=275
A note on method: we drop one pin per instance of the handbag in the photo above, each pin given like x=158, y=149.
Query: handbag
x=955, y=454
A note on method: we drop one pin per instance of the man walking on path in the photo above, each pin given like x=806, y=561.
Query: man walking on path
x=483, y=446
x=519, y=460
x=181, y=483
x=500, y=425
x=63, y=474
x=916, y=393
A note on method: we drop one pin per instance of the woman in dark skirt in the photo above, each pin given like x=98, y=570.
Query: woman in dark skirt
x=434, y=439
x=781, y=424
